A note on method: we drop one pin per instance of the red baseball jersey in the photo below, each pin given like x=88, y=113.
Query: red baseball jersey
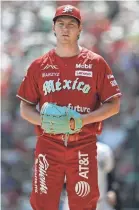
x=81, y=82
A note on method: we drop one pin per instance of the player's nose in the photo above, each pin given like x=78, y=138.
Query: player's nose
x=65, y=27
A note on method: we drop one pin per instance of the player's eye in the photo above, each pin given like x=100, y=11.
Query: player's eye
x=61, y=24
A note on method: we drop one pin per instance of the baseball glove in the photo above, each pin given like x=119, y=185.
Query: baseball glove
x=56, y=119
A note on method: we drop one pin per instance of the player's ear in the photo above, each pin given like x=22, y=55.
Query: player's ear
x=53, y=28
x=80, y=28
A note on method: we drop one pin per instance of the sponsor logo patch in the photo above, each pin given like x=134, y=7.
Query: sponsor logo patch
x=50, y=67
x=83, y=165
x=82, y=188
x=110, y=76
x=84, y=73
x=41, y=166
x=79, y=108
x=113, y=83
x=84, y=66
x=51, y=74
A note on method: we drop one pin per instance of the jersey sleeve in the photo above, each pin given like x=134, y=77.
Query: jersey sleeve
x=29, y=90
x=107, y=86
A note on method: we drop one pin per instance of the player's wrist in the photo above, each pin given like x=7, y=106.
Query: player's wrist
x=40, y=120
x=83, y=118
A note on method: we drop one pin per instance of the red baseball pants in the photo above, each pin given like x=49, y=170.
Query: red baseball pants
x=52, y=162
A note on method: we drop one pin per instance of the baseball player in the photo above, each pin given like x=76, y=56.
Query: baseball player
x=105, y=162
x=76, y=91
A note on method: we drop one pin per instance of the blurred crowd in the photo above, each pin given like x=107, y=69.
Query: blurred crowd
x=111, y=29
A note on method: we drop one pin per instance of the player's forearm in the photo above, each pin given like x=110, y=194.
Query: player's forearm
x=29, y=113
x=105, y=111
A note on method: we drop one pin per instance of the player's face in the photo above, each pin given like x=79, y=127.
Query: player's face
x=67, y=29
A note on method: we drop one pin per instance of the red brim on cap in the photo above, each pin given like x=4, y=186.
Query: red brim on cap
x=66, y=15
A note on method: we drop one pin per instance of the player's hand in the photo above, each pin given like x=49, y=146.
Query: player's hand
x=60, y=120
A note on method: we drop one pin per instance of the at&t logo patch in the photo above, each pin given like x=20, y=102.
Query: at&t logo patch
x=82, y=188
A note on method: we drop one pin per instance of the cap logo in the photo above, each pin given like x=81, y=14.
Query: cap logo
x=68, y=9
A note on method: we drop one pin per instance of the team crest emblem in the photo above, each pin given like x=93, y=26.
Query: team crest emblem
x=67, y=9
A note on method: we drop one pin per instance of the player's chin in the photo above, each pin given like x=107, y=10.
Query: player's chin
x=64, y=41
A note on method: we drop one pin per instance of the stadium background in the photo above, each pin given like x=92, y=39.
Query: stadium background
x=110, y=28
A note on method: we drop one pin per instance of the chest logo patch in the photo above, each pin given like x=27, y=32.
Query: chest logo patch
x=84, y=73
x=83, y=66
x=50, y=67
